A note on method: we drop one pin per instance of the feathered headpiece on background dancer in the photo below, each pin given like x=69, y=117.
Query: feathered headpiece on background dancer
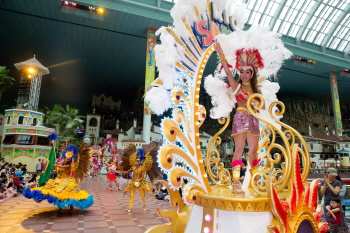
x=71, y=151
x=131, y=154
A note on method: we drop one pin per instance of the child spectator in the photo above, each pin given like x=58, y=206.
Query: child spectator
x=2, y=161
x=4, y=169
x=334, y=214
x=4, y=184
x=33, y=182
x=12, y=168
x=10, y=192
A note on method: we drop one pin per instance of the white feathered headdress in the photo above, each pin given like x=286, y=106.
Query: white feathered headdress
x=273, y=53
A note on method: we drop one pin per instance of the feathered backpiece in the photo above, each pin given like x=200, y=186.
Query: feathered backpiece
x=131, y=154
x=82, y=164
x=248, y=59
x=151, y=165
x=128, y=157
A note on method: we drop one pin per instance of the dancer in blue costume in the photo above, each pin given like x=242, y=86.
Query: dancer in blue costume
x=63, y=191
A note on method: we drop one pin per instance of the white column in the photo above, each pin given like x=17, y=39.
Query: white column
x=146, y=131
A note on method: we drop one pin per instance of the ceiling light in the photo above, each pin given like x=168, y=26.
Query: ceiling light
x=83, y=7
x=31, y=70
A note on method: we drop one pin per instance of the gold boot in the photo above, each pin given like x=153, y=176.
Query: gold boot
x=236, y=171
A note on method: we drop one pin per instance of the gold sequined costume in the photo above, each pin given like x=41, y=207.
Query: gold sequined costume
x=132, y=163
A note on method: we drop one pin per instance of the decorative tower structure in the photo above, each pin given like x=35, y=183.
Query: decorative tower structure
x=29, y=88
x=24, y=134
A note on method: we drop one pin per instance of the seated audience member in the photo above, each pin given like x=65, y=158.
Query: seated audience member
x=24, y=167
x=10, y=192
x=4, y=169
x=12, y=169
x=2, y=177
x=4, y=183
x=33, y=181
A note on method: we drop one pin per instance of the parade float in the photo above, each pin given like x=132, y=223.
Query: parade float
x=277, y=197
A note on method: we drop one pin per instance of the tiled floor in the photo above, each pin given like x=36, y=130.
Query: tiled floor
x=107, y=214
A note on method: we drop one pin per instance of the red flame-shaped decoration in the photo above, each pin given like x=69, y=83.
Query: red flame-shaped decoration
x=302, y=203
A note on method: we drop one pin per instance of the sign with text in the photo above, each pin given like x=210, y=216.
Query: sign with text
x=336, y=104
x=150, y=63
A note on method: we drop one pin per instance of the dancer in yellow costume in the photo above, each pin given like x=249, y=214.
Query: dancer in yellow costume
x=132, y=160
x=63, y=191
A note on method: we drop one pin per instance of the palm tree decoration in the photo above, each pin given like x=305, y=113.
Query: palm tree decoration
x=67, y=121
x=5, y=81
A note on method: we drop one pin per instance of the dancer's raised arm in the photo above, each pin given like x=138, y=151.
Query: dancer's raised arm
x=231, y=80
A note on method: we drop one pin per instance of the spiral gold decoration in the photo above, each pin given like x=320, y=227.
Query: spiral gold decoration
x=274, y=165
x=270, y=130
x=213, y=156
x=292, y=133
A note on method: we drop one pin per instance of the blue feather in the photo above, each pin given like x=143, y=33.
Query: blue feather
x=140, y=154
x=73, y=148
x=52, y=137
x=38, y=197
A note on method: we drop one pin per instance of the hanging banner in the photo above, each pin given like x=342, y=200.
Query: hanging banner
x=24, y=151
x=7, y=151
x=42, y=152
x=150, y=63
x=336, y=104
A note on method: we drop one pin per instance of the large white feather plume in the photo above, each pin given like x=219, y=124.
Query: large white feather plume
x=159, y=99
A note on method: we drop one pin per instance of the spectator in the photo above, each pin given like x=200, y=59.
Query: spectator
x=342, y=204
x=12, y=168
x=10, y=192
x=4, y=169
x=21, y=180
x=2, y=177
x=24, y=170
x=33, y=181
x=330, y=188
x=2, y=161
x=4, y=184
x=243, y=170
x=38, y=167
x=335, y=216
x=24, y=167
x=42, y=165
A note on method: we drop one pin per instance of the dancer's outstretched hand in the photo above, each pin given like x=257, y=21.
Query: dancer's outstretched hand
x=218, y=48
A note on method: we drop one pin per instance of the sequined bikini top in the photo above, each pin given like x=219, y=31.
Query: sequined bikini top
x=242, y=95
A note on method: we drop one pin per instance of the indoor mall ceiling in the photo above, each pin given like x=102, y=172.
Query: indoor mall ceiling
x=89, y=55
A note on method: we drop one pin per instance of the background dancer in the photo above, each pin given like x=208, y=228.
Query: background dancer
x=134, y=161
x=63, y=191
x=111, y=174
x=94, y=167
